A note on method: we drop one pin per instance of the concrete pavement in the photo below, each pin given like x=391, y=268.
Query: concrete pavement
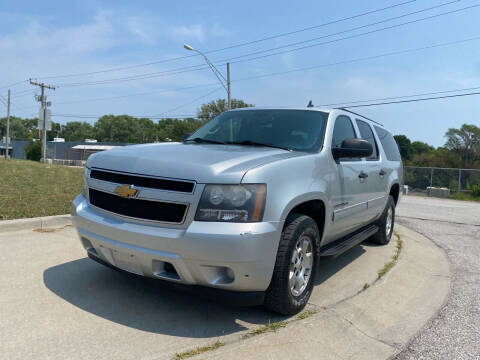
x=454, y=333
x=57, y=304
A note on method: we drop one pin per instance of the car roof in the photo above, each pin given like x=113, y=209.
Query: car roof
x=322, y=109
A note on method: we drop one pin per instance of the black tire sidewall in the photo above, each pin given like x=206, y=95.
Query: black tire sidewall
x=311, y=231
x=381, y=237
x=303, y=225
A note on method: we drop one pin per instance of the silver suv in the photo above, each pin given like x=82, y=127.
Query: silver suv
x=248, y=204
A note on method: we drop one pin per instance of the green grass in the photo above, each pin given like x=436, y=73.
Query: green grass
x=31, y=189
x=199, y=350
x=366, y=286
x=464, y=196
x=270, y=327
x=306, y=314
x=389, y=265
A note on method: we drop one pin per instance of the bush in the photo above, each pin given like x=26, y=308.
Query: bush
x=33, y=151
x=476, y=190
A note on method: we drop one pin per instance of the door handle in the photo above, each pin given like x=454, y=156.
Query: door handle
x=382, y=172
x=362, y=175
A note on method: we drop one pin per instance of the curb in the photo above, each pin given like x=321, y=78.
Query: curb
x=35, y=223
x=376, y=324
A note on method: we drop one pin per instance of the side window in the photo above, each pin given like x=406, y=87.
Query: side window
x=342, y=130
x=388, y=143
x=366, y=133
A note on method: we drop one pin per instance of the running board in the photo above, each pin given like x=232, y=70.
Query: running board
x=339, y=247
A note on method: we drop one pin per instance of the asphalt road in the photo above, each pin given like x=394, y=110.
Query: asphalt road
x=454, y=333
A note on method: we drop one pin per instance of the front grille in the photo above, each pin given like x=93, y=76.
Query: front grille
x=137, y=208
x=140, y=181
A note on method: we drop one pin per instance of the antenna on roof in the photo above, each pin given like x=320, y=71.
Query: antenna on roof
x=310, y=104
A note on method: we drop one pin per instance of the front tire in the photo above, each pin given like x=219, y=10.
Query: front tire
x=385, y=224
x=295, y=266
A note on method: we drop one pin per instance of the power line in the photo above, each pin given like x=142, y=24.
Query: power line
x=14, y=84
x=402, y=96
x=356, y=35
x=413, y=100
x=354, y=29
x=233, y=46
x=82, y=116
x=190, y=102
x=136, y=94
x=349, y=61
x=341, y=62
x=244, y=58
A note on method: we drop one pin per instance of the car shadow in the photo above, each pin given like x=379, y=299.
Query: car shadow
x=157, y=307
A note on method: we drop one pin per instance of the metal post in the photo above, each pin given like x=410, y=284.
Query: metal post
x=7, y=142
x=431, y=177
x=459, y=179
x=228, y=88
x=44, y=130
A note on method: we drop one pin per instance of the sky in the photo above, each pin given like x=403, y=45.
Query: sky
x=80, y=46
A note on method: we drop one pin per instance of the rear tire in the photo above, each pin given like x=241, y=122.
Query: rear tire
x=295, y=266
x=385, y=224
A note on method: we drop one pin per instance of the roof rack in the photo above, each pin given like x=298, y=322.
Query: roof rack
x=352, y=112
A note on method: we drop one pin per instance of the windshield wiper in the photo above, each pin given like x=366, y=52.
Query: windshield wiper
x=255, y=143
x=204, y=141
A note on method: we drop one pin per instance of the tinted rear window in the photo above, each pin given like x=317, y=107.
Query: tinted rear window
x=389, y=144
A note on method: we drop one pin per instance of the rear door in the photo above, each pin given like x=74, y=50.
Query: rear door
x=377, y=180
x=348, y=189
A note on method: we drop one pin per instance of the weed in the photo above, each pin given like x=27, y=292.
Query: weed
x=198, y=350
x=306, y=314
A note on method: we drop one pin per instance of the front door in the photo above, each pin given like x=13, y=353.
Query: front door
x=348, y=191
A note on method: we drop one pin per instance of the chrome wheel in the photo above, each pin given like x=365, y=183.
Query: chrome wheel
x=301, y=265
x=389, y=222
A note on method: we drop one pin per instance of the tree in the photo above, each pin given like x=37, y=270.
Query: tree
x=403, y=143
x=216, y=107
x=419, y=147
x=124, y=128
x=465, y=142
x=33, y=151
x=17, y=128
x=76, y=131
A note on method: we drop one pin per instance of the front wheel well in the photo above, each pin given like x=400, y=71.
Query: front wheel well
x=315, y=209
x=395, y=192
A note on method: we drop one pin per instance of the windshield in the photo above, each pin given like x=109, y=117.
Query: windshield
x=299, y=130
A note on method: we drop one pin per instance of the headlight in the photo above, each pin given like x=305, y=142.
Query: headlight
x=233, y=203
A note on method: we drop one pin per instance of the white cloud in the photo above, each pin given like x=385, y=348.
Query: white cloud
x=189, y=32
x=218, y=30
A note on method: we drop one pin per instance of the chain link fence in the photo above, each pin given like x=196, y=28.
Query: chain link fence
x=419, y=179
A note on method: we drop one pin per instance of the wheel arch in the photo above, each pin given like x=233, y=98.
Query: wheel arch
x=313, y=205
x=395, y=192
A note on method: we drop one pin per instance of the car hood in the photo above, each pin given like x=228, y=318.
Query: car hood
x=204, y=163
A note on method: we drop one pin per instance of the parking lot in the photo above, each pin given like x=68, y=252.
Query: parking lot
x=55, y=303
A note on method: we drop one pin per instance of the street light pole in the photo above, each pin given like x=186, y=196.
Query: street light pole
x=229, y=94
x=225, y=82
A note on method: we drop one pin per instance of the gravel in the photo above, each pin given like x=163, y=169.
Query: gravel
x=454, y=333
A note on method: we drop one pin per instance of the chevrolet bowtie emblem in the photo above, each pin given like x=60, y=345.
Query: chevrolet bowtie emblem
x=125, y=191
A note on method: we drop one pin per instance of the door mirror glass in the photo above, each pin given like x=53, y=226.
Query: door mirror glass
x=353, y=148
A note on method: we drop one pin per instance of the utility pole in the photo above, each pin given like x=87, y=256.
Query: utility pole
x=7, y=138
x=43, y=107
x=229, y=94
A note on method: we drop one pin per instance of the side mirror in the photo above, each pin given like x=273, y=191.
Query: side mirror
x=353, y=148
x=186, y=136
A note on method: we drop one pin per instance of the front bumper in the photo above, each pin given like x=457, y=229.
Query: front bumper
x=230, y=256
